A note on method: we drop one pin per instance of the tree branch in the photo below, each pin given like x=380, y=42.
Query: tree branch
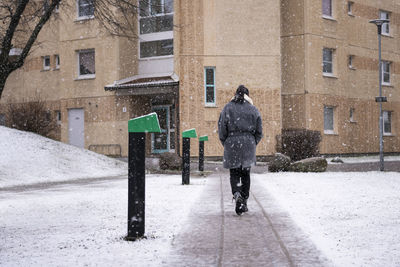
x=46, y=16
x=7, y=41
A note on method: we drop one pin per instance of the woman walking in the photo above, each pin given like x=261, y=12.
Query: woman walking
x=240, y=130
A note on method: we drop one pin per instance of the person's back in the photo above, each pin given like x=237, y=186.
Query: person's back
x=241, y=118
x=240, y=130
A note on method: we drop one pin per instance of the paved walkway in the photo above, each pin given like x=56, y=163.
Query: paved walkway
x=216, y=236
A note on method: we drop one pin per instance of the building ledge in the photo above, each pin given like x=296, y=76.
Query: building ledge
x=145, y=84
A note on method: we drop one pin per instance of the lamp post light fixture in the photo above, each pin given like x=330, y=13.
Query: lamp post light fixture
x=380, y=99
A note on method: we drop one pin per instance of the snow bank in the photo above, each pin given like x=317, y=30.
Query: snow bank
x=84, y=224
x=353, y=218
x=27, y=158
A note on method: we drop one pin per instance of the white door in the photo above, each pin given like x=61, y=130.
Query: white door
x=76, y=126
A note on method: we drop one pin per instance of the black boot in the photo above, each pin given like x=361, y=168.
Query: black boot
x=239, y=207
x=245, y=209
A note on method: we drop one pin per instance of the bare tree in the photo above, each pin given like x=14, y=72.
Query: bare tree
x=119, y=17
x=20, y=24
x=22, y=20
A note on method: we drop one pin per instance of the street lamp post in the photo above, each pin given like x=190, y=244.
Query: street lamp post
x=380, y=99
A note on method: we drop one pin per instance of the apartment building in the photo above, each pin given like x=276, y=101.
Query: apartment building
x=330, y=73
x=308, y=64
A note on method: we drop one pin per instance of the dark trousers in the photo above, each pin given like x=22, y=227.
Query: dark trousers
x=240, y=181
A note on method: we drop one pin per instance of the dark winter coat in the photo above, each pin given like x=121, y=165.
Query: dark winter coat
x=240, y=130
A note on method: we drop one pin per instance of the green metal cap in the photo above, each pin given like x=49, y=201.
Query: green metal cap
x=191, y=133
x=203, y=138
x=144, y=124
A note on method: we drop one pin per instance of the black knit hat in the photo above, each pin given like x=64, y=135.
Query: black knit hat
x=241, y=90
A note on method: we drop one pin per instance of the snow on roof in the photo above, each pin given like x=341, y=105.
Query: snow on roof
x=146, y=80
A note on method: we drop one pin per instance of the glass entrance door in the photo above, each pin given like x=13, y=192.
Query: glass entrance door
x=161, y=141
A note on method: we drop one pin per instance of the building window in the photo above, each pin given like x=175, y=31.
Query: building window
x=157, y=48
x=328, y=120
x=327, y=8
x=46, y=62
x=57, y=61
x=86, y=64
x=352, y=119
x=58, y=115
x=386, y=72
x=351, y=62
x=156, y=16
x=385, y=26
x=327, y=61
x=209, y=73
x=85, y=9
x=387, y=122
x=156, y=28
x=350, y=7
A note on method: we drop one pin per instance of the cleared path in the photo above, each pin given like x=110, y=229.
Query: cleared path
x=265, y=236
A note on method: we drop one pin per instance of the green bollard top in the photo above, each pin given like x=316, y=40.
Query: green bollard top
x=144, y=124
x=191, y=133
x=203, y=138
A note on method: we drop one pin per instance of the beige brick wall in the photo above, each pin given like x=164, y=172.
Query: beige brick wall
x=115, y=58
x=236, y=39
x=272, y=47
x=305, y=90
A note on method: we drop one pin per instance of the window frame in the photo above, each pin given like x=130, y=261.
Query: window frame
x=46, y=67
x=331, y=15
x=162, y=13
x=213, y=86
x=155, y=36
x=383, y=72
x=385, y=26
x=155, y=57
x=332, y=73
x=350, y=62
x=352, y=114
x=56, y=62
x=58, y=117
x=390, y=120
x=85, y=17
x=86, y=76
x=350, y=5
x=329, y=131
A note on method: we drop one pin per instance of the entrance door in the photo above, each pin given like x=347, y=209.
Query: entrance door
x=76, y=126
x=161, y=142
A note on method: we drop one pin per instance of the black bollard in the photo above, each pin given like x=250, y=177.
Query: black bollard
x=186, y=160
x=137, y=128
x=202, y=139
x=136, y=185
x=186, y=135
x=201, y=156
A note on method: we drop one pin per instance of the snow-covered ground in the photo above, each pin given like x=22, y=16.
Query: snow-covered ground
x=353, y=218
x=80, y=224
x=84, y=225
x=27, y=158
